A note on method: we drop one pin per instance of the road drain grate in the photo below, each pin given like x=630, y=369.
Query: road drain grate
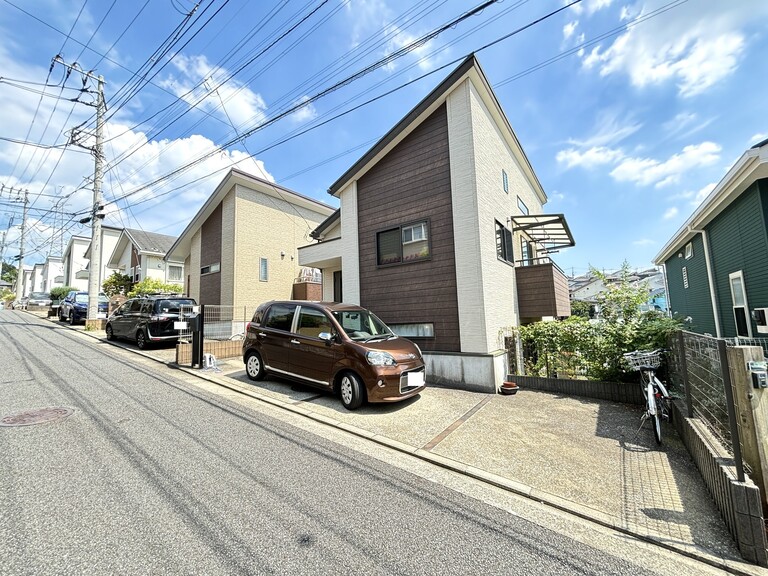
x=39, y=416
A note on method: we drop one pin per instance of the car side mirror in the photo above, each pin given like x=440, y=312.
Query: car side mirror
x=327, y=337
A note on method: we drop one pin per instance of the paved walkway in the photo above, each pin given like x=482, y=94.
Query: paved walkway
x=583, y=456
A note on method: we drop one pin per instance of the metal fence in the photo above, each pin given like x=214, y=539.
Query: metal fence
x=742, y=341
x=219, y=322
x=698, y=370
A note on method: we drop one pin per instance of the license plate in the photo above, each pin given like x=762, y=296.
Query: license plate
x=416, y=378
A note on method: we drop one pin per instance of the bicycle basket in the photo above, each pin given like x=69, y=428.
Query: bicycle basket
x=641, y=359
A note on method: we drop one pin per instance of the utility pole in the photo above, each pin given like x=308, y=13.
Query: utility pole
x=94, y=277
x=2, y=244
x=20, y=273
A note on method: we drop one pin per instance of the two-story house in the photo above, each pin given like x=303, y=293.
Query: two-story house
x=441, y=233
x=139, y=255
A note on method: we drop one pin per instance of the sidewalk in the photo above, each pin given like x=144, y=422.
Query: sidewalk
x=580, y=455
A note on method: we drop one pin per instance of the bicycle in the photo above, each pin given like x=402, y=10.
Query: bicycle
x=657, y=399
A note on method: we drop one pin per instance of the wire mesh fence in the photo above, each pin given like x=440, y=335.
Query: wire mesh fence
x=696, y=367
x=743, y=341
x=225, y=322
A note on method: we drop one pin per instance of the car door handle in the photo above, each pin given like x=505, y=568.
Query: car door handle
x=261, y=334
x=294, y=341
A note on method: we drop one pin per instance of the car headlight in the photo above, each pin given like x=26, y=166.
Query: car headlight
x=380, y=358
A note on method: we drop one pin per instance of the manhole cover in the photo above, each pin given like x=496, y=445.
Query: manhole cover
x=39, y=416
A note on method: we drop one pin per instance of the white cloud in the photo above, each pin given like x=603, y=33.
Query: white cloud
x=569, y=29
x=649, y=171
x=590, y=158
x=699, y=197
x=695, y=45
x=243, y=106
x=306, y=113
x=589, y=6
x=609, y=130
x=757, y=138
x=670, y=213
x=644, y=242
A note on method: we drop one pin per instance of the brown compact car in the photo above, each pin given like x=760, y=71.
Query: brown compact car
x=339, y=347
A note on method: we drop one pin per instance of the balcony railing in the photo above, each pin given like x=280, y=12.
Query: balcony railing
x=542, y=290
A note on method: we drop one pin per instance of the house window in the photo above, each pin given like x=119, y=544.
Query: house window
x=211, y=268
x=403, y=244
x=689, y=251
x=263, y=270
x=685, y=277
x=504, y=243
x=175, y=273
x=739, y=300
x=521, y=206
x=422, y=330
x=525, y=256
x=505, y=180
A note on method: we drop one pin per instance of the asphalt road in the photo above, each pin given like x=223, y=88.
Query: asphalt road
x=153, y=475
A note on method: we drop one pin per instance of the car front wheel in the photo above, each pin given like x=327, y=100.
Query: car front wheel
x=254, y=367
x=72, y=318
x=110, y=335
x=351, y=391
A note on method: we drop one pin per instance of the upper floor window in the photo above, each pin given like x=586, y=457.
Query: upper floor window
x=263, y=270
x=688, y=251
x=505, y=180
x=210, y=269
x=504, y=243
x=525, y=248
x=521, y=205
x=403, y=244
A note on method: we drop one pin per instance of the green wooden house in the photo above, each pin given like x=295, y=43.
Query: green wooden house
x=716, y=264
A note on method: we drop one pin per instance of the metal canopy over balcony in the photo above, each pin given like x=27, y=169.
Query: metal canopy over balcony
x=549, y=231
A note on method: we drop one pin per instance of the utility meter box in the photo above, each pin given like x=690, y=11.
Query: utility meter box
x=759, y=373
x=760, y=316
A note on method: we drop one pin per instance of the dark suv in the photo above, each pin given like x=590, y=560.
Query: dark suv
x=148, y=319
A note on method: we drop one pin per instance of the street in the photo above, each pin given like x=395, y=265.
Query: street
x=154, y=474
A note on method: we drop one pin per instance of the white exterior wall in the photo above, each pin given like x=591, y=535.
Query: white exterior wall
x=37, y=278
x=469, y=272
x=53, y=268
x=495, y=205
x=78, y=262
x=350, y=248
x=154, y=266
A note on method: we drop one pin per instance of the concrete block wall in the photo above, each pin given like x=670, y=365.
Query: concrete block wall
x=626, y=392
x=738, y=502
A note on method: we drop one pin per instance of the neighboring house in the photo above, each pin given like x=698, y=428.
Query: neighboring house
x=588, y=287
x=109, y=238
x=76, y=264
x=36, y=282
x=241, y=247
x=717, y=262
x=25, y=277
x=139, y=255
x=441, y=233
x=53, y=273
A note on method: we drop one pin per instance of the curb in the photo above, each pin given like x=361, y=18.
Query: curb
x=507, y=484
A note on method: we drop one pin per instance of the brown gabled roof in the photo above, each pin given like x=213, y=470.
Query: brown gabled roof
x=441, y=91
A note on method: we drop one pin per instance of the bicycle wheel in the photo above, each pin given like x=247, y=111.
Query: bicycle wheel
x=654, y=409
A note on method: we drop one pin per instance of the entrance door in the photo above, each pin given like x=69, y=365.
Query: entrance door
x=739, y=299
x=337, y=286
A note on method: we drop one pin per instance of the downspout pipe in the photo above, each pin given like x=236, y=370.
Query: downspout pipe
x=711, y=280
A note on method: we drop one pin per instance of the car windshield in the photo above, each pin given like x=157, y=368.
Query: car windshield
x=173, y=306
x=362, y=325
x=83, y=299
x=38, y=296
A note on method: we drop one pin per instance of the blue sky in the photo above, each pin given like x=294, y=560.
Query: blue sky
x=630, y=112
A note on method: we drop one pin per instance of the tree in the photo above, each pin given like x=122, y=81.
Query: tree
x=61, y=291
x=117, y=283
x=9, y=273
x=594, y=349
x=154, y=286
x=581, y=308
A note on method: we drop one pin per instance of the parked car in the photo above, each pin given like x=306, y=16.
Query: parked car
x=39, y=300
x=20, y=304
x=338, y=347
x=74, y=307
x=148, y=319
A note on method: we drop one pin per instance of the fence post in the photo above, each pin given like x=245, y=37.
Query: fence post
x=684, y=370
x=752, y=406
x=735, y=439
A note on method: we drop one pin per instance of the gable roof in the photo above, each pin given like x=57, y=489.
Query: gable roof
x=150, y=243
x=752, y=166
x=182, y=247
x=469, y=68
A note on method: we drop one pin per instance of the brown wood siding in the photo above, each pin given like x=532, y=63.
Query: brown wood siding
x=210, y=253
x=542, y=290
x=412, y=183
